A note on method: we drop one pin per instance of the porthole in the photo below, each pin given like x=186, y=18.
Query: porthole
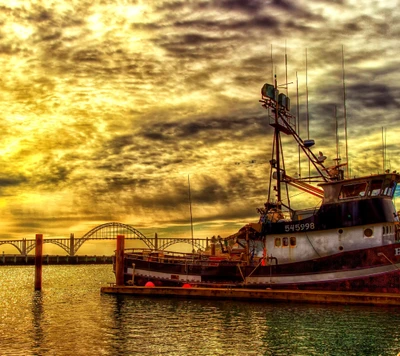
x=340, y=248
x=340, y=231
x=285, y=241
x=277, y=242
x=368, y=232
x=293, y=241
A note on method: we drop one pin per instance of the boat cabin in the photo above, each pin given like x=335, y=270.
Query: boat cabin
x=380, y=185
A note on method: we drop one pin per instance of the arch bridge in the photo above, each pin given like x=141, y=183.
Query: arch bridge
x=107, y=231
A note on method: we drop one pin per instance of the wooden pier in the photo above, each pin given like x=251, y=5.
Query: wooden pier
x=267, y=295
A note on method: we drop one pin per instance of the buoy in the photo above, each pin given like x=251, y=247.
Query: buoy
x=149, y=284
x=186, y=285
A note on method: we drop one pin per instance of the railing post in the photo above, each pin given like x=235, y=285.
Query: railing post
x=213, y=241
x=38, y=261
x=155, y=241
x=119, y=260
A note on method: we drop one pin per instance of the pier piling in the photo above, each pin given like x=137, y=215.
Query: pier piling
x=38, y=261
x=119, y=260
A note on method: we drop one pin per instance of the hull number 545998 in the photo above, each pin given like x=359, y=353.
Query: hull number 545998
x=299, y=227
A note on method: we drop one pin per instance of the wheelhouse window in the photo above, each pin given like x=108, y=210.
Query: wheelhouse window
x=389, y=187
x=353, y=190
x=375, y=188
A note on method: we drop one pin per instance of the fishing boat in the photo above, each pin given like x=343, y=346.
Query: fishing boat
x=351, y=242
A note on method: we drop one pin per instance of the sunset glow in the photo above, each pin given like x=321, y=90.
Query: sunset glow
x=107, y=107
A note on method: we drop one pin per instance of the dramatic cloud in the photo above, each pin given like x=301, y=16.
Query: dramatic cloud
x=107, y=107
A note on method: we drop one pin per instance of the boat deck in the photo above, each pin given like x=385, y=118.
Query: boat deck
x=268, y=295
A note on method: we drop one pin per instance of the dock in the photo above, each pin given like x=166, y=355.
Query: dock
x=265, y=295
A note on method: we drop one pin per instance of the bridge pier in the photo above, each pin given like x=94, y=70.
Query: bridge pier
x=23, y=247
x=71, y=244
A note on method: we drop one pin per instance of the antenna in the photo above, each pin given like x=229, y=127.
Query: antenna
x=286, y=65
x=191, y=216
x=345, y=115
x=337, y=136
x=384, y=148
x=307, y=116
x=272, y=66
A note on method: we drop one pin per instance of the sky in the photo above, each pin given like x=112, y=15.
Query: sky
x=107, y=107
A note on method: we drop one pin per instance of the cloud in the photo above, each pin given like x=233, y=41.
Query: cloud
x=9, y=181
x=106, y=108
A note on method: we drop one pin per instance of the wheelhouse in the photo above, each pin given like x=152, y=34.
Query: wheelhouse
x=381, y=185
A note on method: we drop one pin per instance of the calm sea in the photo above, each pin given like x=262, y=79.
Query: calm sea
x=71, y=317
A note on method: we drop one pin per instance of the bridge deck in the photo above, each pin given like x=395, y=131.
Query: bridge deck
x=108, y=231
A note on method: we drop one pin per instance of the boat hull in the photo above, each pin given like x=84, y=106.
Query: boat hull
x=374, y=270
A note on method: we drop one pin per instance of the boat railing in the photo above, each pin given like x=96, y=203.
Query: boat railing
x=167, y=257
x=161, y=252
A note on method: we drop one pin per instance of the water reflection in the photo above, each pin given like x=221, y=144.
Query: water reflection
x=333, y=330
x=70, y=317
x=119, y=337
x=182, y=327
x=37, y=316
x=197, y=327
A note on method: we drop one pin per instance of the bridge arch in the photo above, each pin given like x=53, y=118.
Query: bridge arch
x=111, y=230
x=198, y=243
x=107, y=231
x=15, y=244
x=30, y=245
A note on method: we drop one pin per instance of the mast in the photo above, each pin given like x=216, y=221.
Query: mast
x=281, y=121
x=277, y=150
x=298, y=119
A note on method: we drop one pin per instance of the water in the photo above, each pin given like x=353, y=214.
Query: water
x=71, y=317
